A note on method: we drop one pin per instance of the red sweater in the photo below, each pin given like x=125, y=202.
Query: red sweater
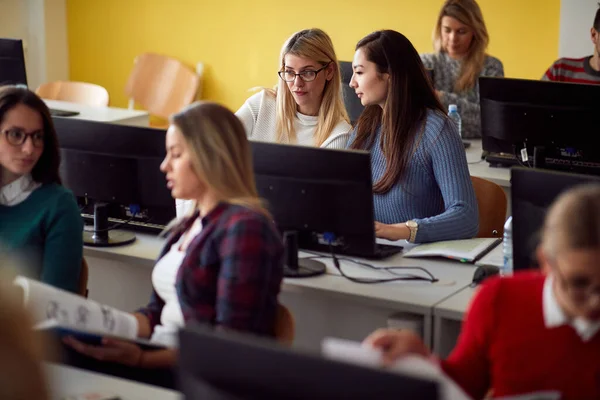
x=505, y=346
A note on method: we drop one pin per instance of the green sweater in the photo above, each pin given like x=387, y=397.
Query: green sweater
x=45, y=232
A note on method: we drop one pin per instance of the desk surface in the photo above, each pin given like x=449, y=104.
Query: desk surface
x=481, y=169
x=115, y=115
x=412, y=296
x=67, y=381
x=455, y=306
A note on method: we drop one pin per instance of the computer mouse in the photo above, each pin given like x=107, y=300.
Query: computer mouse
x=483, y=272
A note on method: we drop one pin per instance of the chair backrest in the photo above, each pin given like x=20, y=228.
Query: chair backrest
x=492, y=204
x=160, y=84
x=351, y=101
x=285, y=326
x=83, y=278
x=75, y=92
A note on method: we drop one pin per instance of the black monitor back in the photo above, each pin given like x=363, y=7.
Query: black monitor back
x=532, y=193
x=560, y=117
x=315, y=191
x=12, y=62
x=228, y=365
x=116, y=164
x=353, y=105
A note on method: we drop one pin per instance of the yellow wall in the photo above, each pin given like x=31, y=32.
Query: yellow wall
x=239, y=40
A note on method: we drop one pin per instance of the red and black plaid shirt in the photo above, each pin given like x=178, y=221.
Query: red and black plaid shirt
x=231, y=273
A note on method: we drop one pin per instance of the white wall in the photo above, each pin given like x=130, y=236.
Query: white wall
x=576, y=19
x=41, y=24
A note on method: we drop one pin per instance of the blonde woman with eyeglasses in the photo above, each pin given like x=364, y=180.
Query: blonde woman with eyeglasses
x=307, y=107
x=460, y=41
x=40, y=221
x=537, y=331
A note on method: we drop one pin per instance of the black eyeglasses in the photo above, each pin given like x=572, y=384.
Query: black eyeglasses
x=579, y=289
x=306, y=76
x=17, y=137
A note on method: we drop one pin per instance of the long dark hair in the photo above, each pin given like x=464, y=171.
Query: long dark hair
x=46, y=169
x=409, y=96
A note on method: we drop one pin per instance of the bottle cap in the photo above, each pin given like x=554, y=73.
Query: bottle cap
x=452, y=107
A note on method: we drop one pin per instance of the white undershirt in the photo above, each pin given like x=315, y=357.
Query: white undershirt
x=164, y=277
x=258, y=115
x=17, y=191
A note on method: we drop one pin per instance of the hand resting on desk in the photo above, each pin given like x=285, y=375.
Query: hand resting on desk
x=396, y=343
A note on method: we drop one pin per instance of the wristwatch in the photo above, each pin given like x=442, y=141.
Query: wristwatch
x=414, y=227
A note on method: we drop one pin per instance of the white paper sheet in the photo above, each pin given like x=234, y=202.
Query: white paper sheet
x=355, y=352
x=45, y=302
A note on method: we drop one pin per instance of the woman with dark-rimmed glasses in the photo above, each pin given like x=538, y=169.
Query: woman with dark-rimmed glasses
x=39, y=218
x=307, y=107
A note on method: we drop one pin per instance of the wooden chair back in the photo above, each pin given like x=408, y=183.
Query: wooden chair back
x=492, y=204
x=162, y=85
x=285, y=326
x=75, y=92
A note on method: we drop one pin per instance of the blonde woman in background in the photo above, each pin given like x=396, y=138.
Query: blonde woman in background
x=307, y=107
x=460, y=40
x=222, y=265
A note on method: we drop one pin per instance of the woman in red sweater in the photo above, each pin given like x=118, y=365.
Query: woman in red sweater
x=532, y=332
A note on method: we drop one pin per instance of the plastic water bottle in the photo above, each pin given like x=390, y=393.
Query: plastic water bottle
x=507, y=248
x=455, y=116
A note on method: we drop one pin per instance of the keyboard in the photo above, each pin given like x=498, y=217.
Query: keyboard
x=386, y=250
x=502, y=160
x=62, y=113
x=133, y=226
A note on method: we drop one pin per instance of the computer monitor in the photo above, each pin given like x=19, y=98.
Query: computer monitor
x=555, y=122
x=114, y=171
x=12, y=62
x=532, y=193
x=321, y=194
x=229, y=365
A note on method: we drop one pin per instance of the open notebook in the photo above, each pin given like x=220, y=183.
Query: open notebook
x=63, y=313
x=469, y=250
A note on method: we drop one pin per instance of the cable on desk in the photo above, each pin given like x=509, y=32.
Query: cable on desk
x=392, y=270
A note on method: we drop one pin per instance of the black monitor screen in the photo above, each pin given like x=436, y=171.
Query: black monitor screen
x=228, y=365
x=316, y=191
x=560, y=119
x=532, y=193
x=118, y=165
x=12, y=62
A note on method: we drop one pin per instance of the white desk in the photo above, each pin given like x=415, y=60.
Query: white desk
x=481, y=169
x=67, y=381
x=112, y=115
x=327, y=305
x=447, y=320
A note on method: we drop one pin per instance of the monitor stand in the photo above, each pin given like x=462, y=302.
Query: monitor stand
x=298, y=268
x=102, y=235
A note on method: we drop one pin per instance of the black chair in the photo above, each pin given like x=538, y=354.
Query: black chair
x=351, y=101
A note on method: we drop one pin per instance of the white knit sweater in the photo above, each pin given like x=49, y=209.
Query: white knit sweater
x=258, y=115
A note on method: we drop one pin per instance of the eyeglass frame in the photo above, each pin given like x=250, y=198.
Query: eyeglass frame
x=280, y=73
x=26, y=136
x=580, y=295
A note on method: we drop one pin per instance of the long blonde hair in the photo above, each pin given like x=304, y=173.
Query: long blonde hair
x=468, y=13
x=220, y=152
x=573, y=221
x=316, y=45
